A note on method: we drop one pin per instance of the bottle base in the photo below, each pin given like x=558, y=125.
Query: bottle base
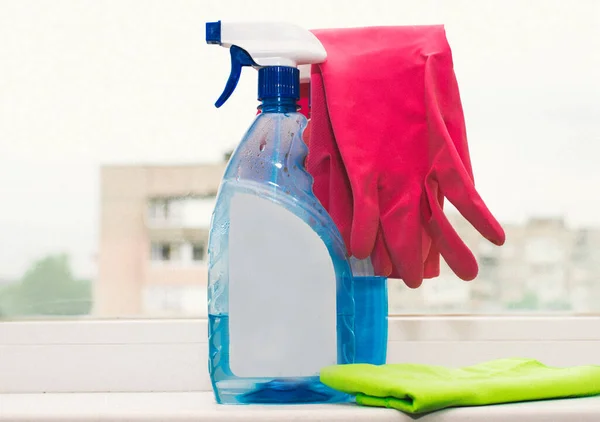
x=276, y=391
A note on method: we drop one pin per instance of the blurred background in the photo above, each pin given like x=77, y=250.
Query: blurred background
x=111, y=150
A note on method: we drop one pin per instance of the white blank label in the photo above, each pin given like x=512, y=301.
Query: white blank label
x=282, y=293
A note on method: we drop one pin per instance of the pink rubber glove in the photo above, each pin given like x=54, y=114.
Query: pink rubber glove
x=398, y=150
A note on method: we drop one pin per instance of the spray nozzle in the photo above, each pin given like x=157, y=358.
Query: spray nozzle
x=239, y=59
x=266, y=45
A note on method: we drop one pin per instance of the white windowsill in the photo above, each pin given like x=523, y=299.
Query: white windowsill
x=201, y=407
x=171, y=356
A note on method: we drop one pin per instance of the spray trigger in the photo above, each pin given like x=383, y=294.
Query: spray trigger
x=239, y=59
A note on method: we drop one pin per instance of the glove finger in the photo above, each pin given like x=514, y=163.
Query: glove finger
x=382, y=263
x=457, y=255
x=453, y=169
x=340, y=201
x=431, y=267
x=461, y=192
x=365, y=219
x=456, y=184
x=405, y=246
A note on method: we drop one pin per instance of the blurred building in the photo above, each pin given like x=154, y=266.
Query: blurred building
x=153, y=248
x=153, y=239
x=584, y=271
x=543, y=266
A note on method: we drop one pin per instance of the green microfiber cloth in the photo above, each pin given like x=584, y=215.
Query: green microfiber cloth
x=415, y=388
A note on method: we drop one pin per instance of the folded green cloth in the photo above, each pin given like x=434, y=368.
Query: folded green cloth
x=415, y=388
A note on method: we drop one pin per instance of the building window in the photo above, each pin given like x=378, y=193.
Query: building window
x=198, y=251
x=166, y=210
x=165, y=252
x=160, y=251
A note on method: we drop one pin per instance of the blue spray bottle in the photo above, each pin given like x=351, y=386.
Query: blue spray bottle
x=281, y=301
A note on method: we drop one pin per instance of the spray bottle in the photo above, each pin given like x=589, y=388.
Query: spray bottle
x=281, y=300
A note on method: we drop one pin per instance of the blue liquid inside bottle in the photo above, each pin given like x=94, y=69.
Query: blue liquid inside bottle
x=371, y=321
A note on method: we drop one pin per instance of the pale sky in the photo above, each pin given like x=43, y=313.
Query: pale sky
x=87, y=83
